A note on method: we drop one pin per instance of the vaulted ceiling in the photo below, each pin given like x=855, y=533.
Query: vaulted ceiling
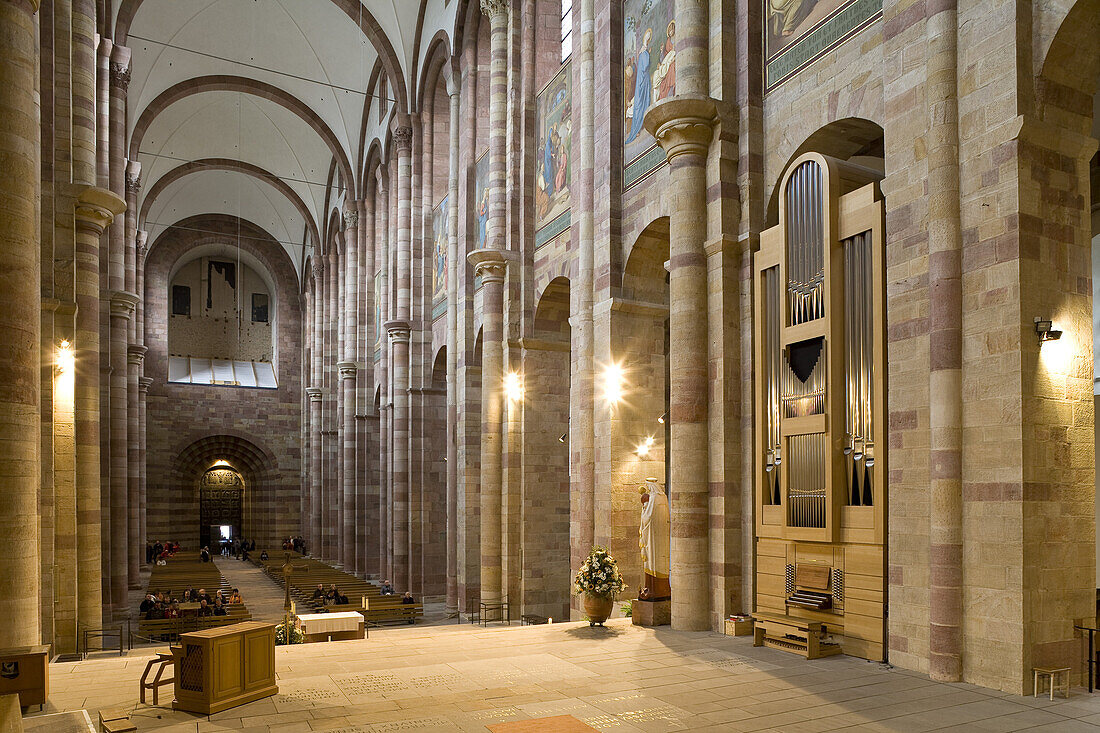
x=255, y=108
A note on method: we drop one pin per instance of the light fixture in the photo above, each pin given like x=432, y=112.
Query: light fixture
x=1045, y=330
x=643, y=448
x=221, y=462
x=513, y=386
x=65, y=358
x=563, y=437
x=613, y=383
x=662, y=418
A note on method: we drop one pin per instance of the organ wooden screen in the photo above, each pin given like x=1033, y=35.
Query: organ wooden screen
x=820, y=468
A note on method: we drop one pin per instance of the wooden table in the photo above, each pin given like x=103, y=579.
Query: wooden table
x=25, y=670
x=332, y=626
x=220, y=668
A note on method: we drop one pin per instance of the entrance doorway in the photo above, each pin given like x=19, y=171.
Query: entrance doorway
x=220, y=491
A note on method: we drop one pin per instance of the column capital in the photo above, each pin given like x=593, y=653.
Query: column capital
x=347, y=369
x=494, y=9
x=135, y=354
x=402, y=138
x=143, y=384
x=96, y=208
x=120, y=75
x=318, y=266
x=682, y=124
x=142, y=241
x=315, y=393
x=398, y=331
x=351, y=218
x=123, y=304
x=133, y=177
x=490, y=265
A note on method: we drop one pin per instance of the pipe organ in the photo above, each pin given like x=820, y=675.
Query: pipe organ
x=820, y=472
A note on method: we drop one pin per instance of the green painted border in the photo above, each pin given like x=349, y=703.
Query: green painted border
x=830, y=33
x=439, y=309
x=644, y=164
x=558, y=225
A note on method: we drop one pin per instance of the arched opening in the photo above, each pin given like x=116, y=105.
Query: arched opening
x=544, y=534
x=221, y=492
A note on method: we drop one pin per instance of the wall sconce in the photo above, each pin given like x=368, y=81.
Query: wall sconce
x=1045, y=330
x=513, y=387
x=662, y=418
x=643, y=448
x=613, y=383
x=65, y=357
x=563, y=437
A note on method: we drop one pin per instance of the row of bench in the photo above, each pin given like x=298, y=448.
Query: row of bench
x=173, y=578
x=363, y=596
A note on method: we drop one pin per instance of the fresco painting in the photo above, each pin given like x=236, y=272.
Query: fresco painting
x=649, y=75
x=439, y=258
x=798, y=32
x=552, y=153
x=481, y=199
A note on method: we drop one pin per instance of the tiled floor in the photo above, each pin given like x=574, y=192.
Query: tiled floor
x=622, y=678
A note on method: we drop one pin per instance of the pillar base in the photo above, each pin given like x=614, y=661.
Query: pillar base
x=650, y=613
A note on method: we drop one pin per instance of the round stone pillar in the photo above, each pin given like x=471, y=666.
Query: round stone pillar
x=348, y=368
x=315, y=467
x=399, y=349
x=20, y=323
x=122, y=310
x=452, y=355
x=95, y=209
x=683, y=126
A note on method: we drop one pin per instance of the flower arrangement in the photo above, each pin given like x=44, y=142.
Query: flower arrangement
x=599, y=575
x=296, y=635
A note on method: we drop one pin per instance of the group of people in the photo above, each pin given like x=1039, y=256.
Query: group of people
x=238, y=548
x=163, y=605
x=295, y=543
x=332, y=596
x=387, y=590
x=159, y=552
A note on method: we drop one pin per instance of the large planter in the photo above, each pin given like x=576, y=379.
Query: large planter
x=597, y=608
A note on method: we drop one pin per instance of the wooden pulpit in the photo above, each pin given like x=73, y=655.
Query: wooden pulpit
x=220, y=668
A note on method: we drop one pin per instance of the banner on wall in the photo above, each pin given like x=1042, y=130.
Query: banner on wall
x=798, y=32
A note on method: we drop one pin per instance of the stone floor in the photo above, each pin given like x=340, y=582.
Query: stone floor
x=621, y=678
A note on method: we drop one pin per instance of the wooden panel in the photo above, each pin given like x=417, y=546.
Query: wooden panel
x=816, y=577
x=857, y=517
x=772, y=514
x=228, y=659
x=805, y=425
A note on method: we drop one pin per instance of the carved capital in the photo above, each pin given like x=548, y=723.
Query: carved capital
x=398, y=331
x=120, y=76
x=402, y=138
x=494, y=9
x=490, y=265
x=315, y=394
x=143, y=384
x=347, y=369
x=318, y=267
x=123, y=304
x=351, y=219
x=133, y=183
x=682, y=125
x=142, y=242
x=96, y=208
x=135, y=354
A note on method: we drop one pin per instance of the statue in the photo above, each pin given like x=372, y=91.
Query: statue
x=653, y=538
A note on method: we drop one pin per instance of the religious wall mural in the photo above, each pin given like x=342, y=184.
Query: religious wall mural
x=649, y=75
x=481, y=199
x=439, y=259
x=552, y=164
x=798, y=32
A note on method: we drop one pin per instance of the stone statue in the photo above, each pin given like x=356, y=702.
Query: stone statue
x=653, y=538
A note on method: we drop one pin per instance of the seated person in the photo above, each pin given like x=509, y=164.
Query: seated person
x=148, y=603
x=332, y=594
x=219, y=607
x=205, y=609
x=204, y=596
x=173, y=610
x=156, y=612
x=341, y=599
x=244, y=555
x=235, y=597
x=387, y=589
x=319, y=593
x=263, y=556
x=408, y=597
x=193, y=596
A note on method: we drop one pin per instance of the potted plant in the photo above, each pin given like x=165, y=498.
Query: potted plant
x=599, y=580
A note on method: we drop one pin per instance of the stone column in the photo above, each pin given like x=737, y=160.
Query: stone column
x=382, y=255
x=143, y=451
x=945, y=600
x=136, y=355
x=331, y=489
x=452, y=348
x=367, y=479
x=398, y=330
x=348, y=369
x=20, y=322
x=101, y=128
x=122, y=310
x=489, y=264
x=582, y=533
x=683, y=127
x=316, y=444
x=95, y=209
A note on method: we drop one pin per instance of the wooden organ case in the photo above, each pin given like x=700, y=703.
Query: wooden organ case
x=821, y=468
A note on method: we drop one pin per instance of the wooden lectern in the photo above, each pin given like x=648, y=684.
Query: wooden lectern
x=25, y=671
x=223, y=667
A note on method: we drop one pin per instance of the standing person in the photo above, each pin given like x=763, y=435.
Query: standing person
x=148, y=553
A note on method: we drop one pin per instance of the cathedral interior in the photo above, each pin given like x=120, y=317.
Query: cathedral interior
x=821, y=271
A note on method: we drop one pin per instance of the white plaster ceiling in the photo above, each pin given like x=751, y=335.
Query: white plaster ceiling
x=310, y=49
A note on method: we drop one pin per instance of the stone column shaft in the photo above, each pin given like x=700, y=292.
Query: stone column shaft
x=315, y=393
x=366, y=488
x=348, y=369
x=683, y=126
x=20, y=323
x=452, y=352
x=122, y=310
x=143, y=450
x=383, y=244
x=945, y=599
